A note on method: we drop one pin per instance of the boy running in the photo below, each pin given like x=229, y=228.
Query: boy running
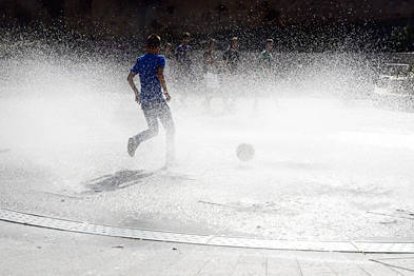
x=153, y=97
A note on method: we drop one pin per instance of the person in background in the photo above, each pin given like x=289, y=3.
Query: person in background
x=183, y=69
x=210, y=75
x=232, y=56
x=183, y=55
x=171, y=67
x=210, y=56
x=266, y=57
x=265, y=73
x=168, y=51
x=231, y=60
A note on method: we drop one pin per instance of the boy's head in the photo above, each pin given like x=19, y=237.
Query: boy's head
x=153, y=43
x=269, y=44
x=186, y=38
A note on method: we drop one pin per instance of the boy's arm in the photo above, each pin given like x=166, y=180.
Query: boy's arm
x=161, y=78
x=130, y=80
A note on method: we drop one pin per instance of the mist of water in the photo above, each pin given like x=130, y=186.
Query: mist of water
x=65, y=117
x=52, y=97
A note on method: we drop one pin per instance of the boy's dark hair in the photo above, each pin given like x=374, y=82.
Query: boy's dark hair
x=154, y=41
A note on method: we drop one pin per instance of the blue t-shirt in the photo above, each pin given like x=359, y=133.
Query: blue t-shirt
x=147, y=67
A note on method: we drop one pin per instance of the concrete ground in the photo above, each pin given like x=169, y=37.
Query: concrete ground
x=26, y=250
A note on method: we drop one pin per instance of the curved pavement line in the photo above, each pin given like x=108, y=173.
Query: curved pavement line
x=372, y=247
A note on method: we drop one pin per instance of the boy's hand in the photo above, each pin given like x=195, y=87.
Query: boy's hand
x=167, y=96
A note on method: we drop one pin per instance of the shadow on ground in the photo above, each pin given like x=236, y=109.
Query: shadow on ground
x=118, y=180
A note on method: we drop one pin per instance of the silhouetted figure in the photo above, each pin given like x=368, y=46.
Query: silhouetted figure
x=232, y=55
x=266, y=57
x=183, y=56
x=153, y=97
x=211, y=80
